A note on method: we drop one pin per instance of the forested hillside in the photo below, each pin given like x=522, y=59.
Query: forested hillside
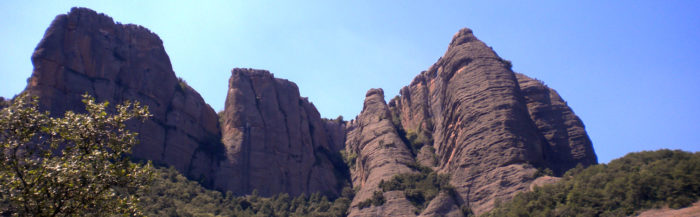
x=625, y=186
x=171, y=194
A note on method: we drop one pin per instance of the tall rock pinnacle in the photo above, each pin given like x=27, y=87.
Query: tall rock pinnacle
x=490, y=129
x=86, y=52
x=276, y=141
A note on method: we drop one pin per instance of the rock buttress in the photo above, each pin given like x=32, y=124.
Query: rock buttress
x=381, y=154
x=86, y=52
x=276, y=140
x=487, y=132
x=567, y=143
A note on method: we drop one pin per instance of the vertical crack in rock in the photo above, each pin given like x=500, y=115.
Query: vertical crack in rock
x=282, y=158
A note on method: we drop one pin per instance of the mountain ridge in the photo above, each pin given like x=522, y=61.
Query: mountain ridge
x=469, y=115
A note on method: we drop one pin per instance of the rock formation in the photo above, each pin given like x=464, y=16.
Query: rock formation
x=490, y=129
x=469, y=115
x=565, y=139
x=276, y=141
x=381, y=155
x=286, y=147
x=85, y=52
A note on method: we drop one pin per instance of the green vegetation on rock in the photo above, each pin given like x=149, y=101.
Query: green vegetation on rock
x=349, y=157
x=638, y=181
x=419, y=188
x=377, y=199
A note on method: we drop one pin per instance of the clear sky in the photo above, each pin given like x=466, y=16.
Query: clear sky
x=629, y=69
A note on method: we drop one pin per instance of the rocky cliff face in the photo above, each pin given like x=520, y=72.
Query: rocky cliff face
x=276, y=141
x=381, y=155
x=565, y=139
x=85, y=52
x=469, y=115
x=472, y=117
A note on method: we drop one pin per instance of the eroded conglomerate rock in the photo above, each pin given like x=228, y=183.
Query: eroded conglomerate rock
x=86, y=52
x=566, y=141
x=381, y=155
x=490, y=129
x=276, y=141
x=468, y=116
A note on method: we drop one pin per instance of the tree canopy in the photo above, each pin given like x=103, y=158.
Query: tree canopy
x=75, y=165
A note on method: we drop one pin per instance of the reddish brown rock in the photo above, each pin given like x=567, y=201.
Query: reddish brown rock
x=490, y=129
x=567, y=143
x=276, y=141
x=381, y=154
x=443, y=205
x=488, y=133
x=542, y=181
x=86, y=52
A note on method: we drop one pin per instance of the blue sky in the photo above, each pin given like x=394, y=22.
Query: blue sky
x=629, y=69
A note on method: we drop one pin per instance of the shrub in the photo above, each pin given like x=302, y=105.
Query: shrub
x=377, y=199
x=419, y=188
x=349, y=157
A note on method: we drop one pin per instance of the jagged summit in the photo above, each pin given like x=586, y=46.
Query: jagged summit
x=84, y=51
x=487, y=127
x=464, y=35
x=469, y=115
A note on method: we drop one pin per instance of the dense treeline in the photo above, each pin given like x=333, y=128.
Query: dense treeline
x=623, y=187
x=171, y=194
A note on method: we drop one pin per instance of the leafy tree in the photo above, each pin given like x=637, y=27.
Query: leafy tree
x=76, y=165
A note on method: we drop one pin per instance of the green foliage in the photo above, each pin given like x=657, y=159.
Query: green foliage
x=396, y=117
x=419, y=188
x=76, y=165
x=349, y=157
x=220, y=114
x=543, y=172
x=171, y=194
x=377, y=199
x=466, y=211
x=624, y=186
x=508, y=64
x=182, y=84
x=416, y=139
